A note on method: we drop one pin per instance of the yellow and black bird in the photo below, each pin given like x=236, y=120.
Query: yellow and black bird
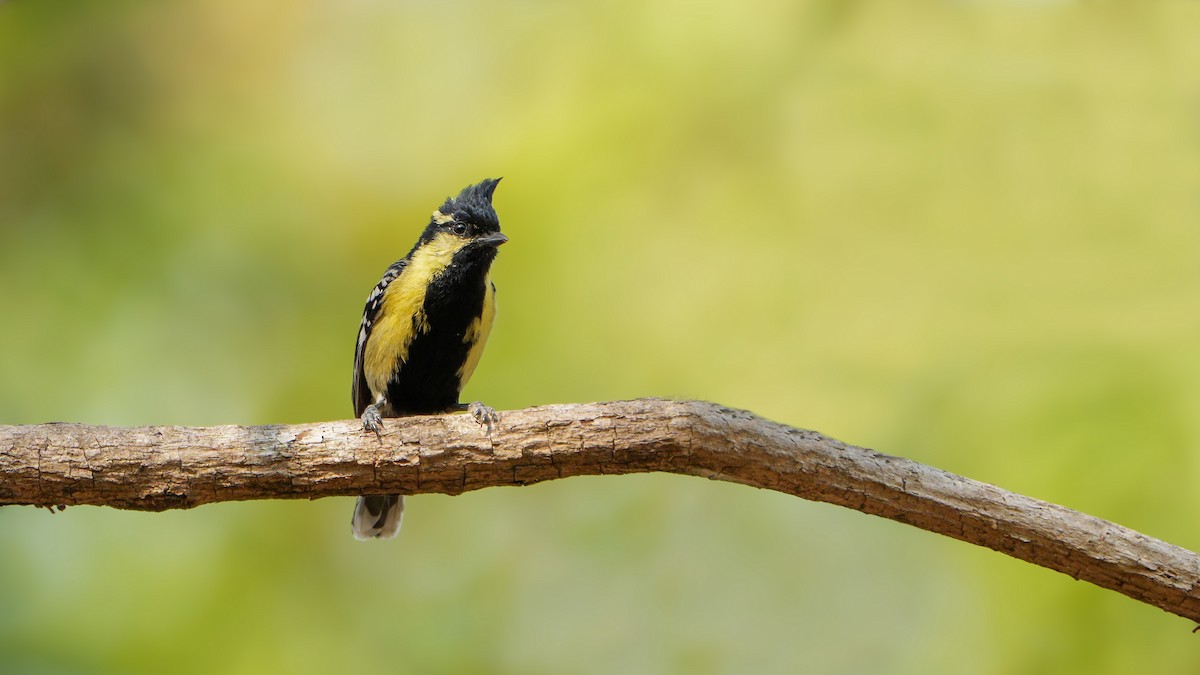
x=423, y=331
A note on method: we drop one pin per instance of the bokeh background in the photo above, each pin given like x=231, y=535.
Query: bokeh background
x=961, y=232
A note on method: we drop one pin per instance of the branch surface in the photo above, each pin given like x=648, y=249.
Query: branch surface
x=158, y=468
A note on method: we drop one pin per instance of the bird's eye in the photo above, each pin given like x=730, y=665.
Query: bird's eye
x=459, y=228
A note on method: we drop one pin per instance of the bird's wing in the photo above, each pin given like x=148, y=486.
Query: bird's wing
x=360, y=393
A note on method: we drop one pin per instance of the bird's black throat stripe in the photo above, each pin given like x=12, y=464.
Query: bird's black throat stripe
x=428, y=381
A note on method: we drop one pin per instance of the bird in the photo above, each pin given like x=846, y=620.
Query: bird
x=423, y=331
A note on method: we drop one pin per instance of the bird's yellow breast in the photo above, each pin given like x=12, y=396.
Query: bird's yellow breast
x=402, y=317
x=478, y=331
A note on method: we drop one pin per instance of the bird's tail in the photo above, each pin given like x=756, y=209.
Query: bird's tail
x=377, y=516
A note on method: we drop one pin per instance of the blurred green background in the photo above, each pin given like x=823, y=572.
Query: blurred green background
x=961, y=232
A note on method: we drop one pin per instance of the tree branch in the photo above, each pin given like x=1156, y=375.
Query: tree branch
x=157, y=468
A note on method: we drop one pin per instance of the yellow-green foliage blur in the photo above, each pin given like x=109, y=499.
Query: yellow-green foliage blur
x=961, y=232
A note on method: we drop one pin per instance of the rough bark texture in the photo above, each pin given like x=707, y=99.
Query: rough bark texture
x=156, y=468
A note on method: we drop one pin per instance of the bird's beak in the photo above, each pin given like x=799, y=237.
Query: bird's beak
x=494, y=239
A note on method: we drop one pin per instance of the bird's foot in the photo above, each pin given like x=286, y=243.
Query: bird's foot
x=373, y=421
x=486, y=416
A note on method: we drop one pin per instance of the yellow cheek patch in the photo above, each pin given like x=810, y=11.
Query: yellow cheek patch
x=402, y=315
x=478, y=331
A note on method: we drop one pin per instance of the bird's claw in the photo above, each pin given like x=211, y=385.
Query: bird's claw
x=484, y=415
x=373, y=421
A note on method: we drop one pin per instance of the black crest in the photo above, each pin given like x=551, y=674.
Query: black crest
x=474, y=205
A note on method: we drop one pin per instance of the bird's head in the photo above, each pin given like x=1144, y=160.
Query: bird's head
x=469, y=217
